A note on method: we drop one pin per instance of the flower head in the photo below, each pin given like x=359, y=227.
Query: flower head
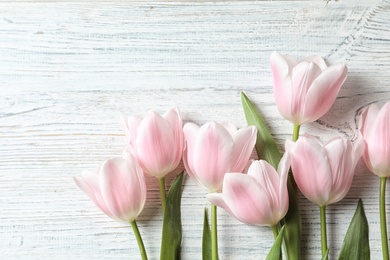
x=215, y=149
x=257, y=198
x=156, y=141
x=324, y=173
x=374, y=126
x=305, y=91
x=118, y=188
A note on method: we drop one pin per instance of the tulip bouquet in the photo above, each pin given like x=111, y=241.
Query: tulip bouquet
x=257, y=192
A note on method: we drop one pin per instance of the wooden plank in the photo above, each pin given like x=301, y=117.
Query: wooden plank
x=68, y=71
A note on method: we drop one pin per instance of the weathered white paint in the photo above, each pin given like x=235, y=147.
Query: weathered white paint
x=68, y=71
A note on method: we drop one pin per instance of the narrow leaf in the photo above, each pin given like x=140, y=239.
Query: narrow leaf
x=172, y=229
x=206, y=240
x=356, y=241
x=267, y=150
x=266, y=147
x=275, y=253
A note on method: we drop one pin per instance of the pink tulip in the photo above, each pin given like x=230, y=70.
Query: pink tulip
x=374, y=127
x=324, y=173
x=257, y=198
x=305, y=91
x=118, y=188
x=214, y=149
x=156, y=141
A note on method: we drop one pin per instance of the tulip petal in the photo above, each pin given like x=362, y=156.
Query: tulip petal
x=154, y=145
x=244, y=142
x=232, y=129
x=341, y=161
x=303, y=76
x=378, y=143
x=311, y=169
x=213, y=153
x=247, y=200
x=174, y=119
x=89, y=183
x=190, y=131
x=217, y=200
x=323, y=92
x=281, y=75
x=317, y=60
x=123, y=188
x=268, y=179
x=367, y=119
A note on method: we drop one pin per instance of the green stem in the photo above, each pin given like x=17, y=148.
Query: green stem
x=324, y=243
x=275, y=231
x=139, y=240
x=296, y=132
x=382, y=212
x=295, y=138
x=163, y=195
x=214, y=236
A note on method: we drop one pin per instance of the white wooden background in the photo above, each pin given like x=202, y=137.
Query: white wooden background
x=69, y=70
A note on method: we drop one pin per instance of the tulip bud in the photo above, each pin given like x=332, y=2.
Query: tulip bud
x=118, y=188
x=214, y=149
x=257, y=198
x=156, y=141
x=374, y=127
x=305, y=91
x=324, y=173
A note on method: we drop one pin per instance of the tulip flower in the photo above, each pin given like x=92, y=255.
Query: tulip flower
x=157, y=142
x=305, y=91
x=324, y=173
x=259, y=197
x=374, y=127
x=118, y=188
x=213, y=150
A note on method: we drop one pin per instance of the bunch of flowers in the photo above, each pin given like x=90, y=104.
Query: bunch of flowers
x=257, y=192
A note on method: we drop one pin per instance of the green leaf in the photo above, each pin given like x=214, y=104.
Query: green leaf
x=293, y=225
x=172, y=230
x=267, y=150
x=325, y=257
x=356, y=241
x=275, y=253
x=266, y=147
x=206, y=240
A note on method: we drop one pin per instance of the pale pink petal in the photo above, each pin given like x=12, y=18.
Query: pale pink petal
x=340, y=160
x=123, y=188
x=232, y=129
x=213, y=153
x=367, y=119
x=283, y=170
x=190, y=131
x=130, y=125
x=89, y=183
x=217, y=200
x=244, y=142
x=174, y=119
x=378, y=143
x=155, y=139
x=323, y=92
x=267, y=177
x=247, y=200
x=311, y=169
x=317, y=60
x=281, y=74
x=303, y=76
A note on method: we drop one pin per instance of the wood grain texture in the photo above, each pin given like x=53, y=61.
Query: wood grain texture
x=68, y=71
